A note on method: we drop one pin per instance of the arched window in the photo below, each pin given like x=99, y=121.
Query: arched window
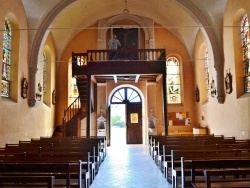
x=173, y=81
x=246, y=51
x=206, y=61
x=44, y=76
x=125, y=95
x=6, y=70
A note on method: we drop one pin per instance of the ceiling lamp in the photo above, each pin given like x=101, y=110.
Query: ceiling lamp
x=125, y=11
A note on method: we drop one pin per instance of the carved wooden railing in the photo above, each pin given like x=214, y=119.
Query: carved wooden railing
x=82, y=59
x=70, y=113
x=125, y=61
x=137, y=55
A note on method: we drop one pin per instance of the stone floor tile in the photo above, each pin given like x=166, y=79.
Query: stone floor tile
x=129, y=166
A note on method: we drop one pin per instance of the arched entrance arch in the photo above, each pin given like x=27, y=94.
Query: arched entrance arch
x=132, y=99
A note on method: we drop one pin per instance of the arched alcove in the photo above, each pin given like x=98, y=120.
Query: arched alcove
x=145, y=23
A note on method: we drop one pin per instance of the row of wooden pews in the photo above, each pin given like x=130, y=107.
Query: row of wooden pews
x=52, y=161
x=175, y=156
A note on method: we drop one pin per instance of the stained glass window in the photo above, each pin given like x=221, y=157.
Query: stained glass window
x=246, y=51
x=44, y=75
x=173, y=81
x=75, y=88
x=206, y=61
x=5, y=88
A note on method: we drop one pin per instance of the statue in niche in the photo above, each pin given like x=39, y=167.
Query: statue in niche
x=228, y=82
x=101, y=124
x=24, y=89
x=151, y=123
x=197, y=94
x=212, y=88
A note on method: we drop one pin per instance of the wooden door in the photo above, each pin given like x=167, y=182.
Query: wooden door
x=134, y=123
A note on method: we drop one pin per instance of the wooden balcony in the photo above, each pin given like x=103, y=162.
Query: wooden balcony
x=141, y=61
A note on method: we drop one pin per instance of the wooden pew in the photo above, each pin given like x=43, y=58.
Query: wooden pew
x=70, y=166
x=24, y=181
x=166, y=158
x=176, y=156
x=188, y=141
x=72, y=143
x=66, y=150
x=38, y=150
x=33, y=170
x=198, y=167
x=228, y=182
x=69, y=144
x=154, y=139
x=101, y=139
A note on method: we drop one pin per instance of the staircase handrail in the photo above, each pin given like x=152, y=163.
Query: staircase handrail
x=70, y=112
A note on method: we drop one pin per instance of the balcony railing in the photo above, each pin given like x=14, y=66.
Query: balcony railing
x=82, y=59
x=141, y=61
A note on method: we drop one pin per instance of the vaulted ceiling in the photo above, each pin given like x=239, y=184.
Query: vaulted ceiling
x=65, y=18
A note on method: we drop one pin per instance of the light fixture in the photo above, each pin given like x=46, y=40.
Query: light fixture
x=125, y=11
x=126, y=77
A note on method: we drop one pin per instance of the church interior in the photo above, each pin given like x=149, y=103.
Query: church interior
x=181, y=68
x=204, y=39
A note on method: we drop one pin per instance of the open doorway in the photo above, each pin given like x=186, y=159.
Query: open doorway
x=118, y=124
x=125, y=117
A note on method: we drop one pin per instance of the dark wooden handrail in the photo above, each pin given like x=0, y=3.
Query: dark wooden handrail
x=82, y=59
x=72, y=109
x=70, y=112
x=137, y=54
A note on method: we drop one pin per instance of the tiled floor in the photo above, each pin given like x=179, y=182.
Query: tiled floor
x=129, y=166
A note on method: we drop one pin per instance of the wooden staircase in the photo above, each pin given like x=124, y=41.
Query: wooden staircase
x=75, y=112
x=82, y=85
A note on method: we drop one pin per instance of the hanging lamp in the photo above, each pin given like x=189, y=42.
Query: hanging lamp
x=125, y=11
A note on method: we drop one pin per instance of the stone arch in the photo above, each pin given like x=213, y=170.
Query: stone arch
x=35, y=49
x=210, y=32
x=196, y=13
x=143, y=102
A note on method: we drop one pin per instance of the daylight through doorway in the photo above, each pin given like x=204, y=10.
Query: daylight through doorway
x=118, y=124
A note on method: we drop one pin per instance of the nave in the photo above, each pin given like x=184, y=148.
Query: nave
x=129, y=166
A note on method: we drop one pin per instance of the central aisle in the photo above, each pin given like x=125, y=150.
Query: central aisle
x=129, y=166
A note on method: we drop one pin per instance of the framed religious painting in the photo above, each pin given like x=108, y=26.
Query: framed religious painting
x=128, y=37
x=134, y=118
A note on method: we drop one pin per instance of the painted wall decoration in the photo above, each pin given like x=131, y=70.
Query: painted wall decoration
x=228, y=82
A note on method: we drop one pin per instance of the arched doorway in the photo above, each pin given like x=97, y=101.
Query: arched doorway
x=126, y=117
